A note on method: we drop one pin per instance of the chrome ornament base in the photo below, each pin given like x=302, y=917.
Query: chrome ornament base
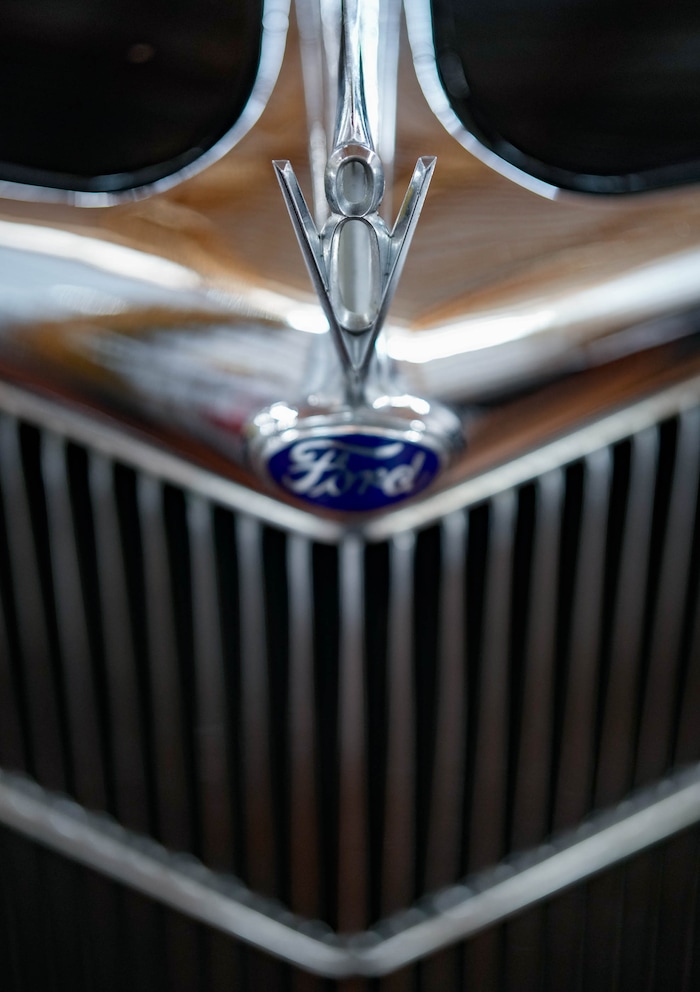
x=355, y=459
x=366, y=449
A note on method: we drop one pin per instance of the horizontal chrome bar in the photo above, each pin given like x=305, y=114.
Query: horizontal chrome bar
x=452, y=915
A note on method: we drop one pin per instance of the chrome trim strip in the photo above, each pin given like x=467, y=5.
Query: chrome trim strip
x=618, y=730
x=121, y=668
x=445, y=835
x=172, y=827
x=147, y=457
x=453, y=915
x=210, y=744
x=655, y=732
x=576, y=759
x=488, y=800
x=538, y=688
x=46, y=751
x=352, y=740
x=275, y=21
x=399, y=811
x=303, y=731
x=79, y=688
x=255, y=707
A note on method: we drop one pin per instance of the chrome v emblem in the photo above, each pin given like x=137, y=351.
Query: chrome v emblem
x=355, y=313
x=355, y=261
x=375, y=444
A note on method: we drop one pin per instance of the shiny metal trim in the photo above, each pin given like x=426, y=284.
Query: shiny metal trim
x=576, y=758
x=536, y=729
x=172, y=827
x=399, y=810
x=275, y=21
x=145, y=456
x=452, y=915
x=120, y=656
x=255, y=706
x=210, y=744
x=486, y=836
x=618, y=730
x=79, y=688
x=44, y=717
x=445, y=840
x=352, y=740
x=303, y=731
x=655, y=733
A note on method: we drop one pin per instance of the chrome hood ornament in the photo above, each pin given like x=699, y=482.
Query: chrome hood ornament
x=363, y=445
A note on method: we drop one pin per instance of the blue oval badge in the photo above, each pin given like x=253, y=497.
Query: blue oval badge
x=354, y=471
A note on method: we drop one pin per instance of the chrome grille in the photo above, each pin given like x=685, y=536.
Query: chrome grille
x=349, y=721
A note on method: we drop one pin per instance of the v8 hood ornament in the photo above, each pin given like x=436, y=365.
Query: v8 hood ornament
x=365, y=448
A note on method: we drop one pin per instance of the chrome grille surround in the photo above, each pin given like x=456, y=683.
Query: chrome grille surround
x=235, y=679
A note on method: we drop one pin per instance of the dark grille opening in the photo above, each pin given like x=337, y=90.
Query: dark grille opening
x=84, y=932
x=350, y=727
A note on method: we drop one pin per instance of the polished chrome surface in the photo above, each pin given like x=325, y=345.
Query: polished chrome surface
x=354, y=262
x=189, y=312
x=452, y=915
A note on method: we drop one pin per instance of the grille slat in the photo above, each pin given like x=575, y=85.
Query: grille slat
x=576, y=762
x=173, y=806
x=44, y=732
x=400, y=815
x=260, y=868
x=530, y=816
x=445, y=835
x=87, y=756
x=656, y=736
x=213, y=773
x=125, y=702
x=621, y=694
x=353, y=857
x=12, y=754
x=304, y=812
x=487, y=807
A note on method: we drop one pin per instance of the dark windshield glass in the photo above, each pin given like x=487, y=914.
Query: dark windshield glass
x=108, y=94
x=601, y=95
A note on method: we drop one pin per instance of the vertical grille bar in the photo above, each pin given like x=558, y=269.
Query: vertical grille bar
x=304, y=813
x=210, y=733
x=606, y=898
x=399, y=820
x=260, y=868
x=530, y=813
x=564, y=946
x=655, y=738
x=488, y=804
x=77, y=664
x=688, y=737
x=45, y=728
x=449, y=773
x=444, y=851
x=124, y=699
x=575, y=772
x=12, y=743
x=166, y=702
x=619, y=729
x=490, y=766
x=352, y=771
